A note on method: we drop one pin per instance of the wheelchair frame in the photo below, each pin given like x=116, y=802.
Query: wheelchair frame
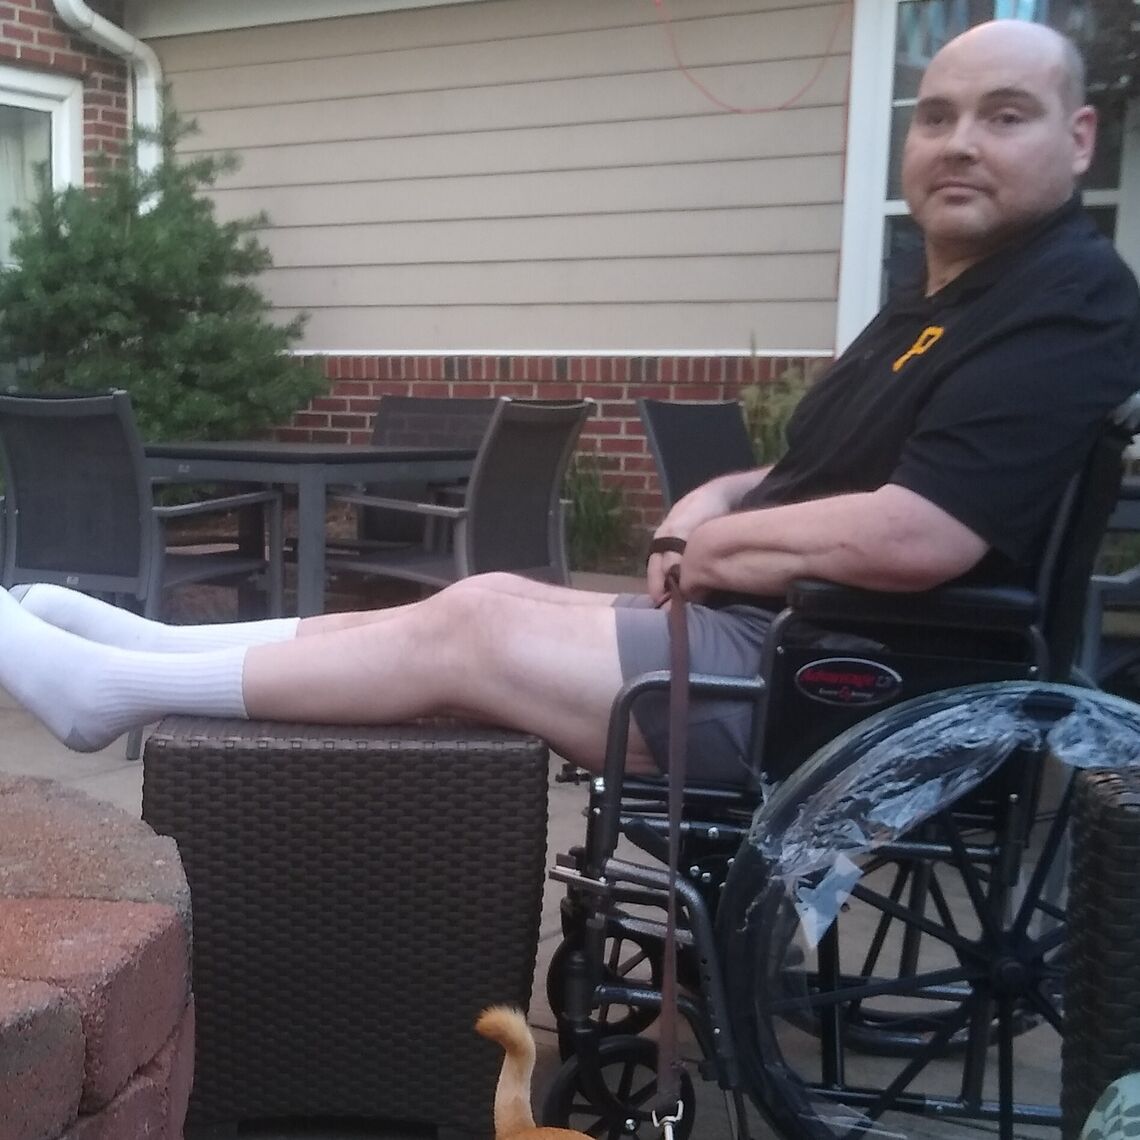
x=717, y=944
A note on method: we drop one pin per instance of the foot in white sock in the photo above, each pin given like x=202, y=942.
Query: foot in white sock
x=88, y=694
x=99, y=621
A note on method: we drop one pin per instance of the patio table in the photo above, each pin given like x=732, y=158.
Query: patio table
x=312, y=468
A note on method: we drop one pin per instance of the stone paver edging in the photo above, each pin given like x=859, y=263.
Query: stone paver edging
x=96, y=1016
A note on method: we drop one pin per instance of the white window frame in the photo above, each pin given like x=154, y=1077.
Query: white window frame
x=62, y=98
x=865, y=183
x=865, y=203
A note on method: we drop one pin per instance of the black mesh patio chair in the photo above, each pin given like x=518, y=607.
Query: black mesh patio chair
x=692, y=443
x=425, y=421
x=79, y=511
x=510, y=517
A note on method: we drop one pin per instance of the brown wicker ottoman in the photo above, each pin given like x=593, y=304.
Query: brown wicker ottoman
x=1102, y=979
x=358, y=895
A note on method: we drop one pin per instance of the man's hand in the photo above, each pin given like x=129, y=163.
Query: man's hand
x=655, y=571
x=711, y=500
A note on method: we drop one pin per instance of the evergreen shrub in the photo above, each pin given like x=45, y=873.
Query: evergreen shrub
x=136, y=284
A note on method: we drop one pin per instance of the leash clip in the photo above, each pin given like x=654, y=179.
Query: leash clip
x=665, y=1123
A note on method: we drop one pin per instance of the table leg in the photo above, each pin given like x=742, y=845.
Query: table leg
x=310, y=544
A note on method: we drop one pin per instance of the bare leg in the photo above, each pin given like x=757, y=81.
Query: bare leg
x=506, y=585
x=527, y=662
x=535, y=665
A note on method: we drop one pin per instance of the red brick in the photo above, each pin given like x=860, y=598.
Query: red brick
x=64, y=60
x=41, y=1060
x=172, y=1069
x=137, y=1110
x=16, y=33
x=35, y=55
x=125, y=965
x=311, y=420
x=613, y=445
x=56, y=842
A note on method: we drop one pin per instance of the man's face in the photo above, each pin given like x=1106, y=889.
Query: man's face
x=992, y=146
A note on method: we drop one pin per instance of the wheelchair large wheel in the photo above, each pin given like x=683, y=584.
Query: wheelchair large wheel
x=944, y=982
x=628, y=1070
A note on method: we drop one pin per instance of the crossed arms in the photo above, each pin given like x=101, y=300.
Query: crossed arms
x=887, y=539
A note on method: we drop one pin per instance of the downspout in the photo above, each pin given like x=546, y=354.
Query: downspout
x=147, y=69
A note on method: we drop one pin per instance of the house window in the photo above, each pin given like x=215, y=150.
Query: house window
x=909, y=33
x=41, y=119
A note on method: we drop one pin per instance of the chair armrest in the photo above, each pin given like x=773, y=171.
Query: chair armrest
x=1124, y=586
x=225, y=503
x=407, y=506
x=974, y=607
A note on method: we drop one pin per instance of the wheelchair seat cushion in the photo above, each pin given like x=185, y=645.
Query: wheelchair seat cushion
x=726, y=642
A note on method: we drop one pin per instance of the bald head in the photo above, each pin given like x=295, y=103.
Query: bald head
x=1038, y=42
x=998, y=139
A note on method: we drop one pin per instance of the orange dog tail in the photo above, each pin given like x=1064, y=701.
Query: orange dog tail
x=508, y=1027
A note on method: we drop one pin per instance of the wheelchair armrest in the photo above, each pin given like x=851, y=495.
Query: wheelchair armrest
x=973, y=607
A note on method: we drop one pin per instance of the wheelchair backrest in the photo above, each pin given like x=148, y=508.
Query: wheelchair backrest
x=836, y=655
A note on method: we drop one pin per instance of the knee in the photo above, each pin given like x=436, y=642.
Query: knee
x=494, y=582
x=463, y=612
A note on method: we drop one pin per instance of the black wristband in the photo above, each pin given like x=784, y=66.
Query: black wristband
x=667, y=544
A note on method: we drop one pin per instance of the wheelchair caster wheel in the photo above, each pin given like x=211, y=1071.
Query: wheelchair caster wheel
x=629, y=960
x=627, y=1068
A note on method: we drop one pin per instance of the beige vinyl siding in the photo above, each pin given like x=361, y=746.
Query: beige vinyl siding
x=536, y=175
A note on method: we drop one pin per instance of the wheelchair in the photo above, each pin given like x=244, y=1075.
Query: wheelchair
x=871, y=928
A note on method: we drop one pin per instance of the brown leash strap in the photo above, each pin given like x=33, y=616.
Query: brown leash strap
x=668, y=1053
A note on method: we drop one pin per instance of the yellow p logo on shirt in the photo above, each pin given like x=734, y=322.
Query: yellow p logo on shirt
x=929, y=337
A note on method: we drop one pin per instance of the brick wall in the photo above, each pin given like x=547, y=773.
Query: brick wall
x=613, y=434
x=32, y=36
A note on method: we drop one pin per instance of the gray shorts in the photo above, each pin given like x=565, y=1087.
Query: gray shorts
x=727, y=642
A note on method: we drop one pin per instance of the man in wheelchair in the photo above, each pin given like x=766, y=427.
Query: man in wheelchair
x=936, y=450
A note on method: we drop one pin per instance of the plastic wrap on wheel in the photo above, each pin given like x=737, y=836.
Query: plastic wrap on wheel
x=908, y=762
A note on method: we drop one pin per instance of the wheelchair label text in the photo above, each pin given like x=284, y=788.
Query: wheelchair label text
x=848, y=681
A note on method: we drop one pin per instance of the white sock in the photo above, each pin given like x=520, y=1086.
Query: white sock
x=112, y=625
x=88, y=694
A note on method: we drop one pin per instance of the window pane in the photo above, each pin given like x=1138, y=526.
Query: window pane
x=900, y=122
x=1104, y=174
x=25, y=144
x=924, y=26
x=902, y=252
x=1105, y=218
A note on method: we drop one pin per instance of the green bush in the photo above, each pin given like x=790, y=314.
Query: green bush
x=597, y=531
x=769, y=406
x=137, y=285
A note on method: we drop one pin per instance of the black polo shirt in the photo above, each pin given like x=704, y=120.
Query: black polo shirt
x=983, y=398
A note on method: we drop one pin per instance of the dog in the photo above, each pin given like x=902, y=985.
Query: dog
x=513, y=1118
